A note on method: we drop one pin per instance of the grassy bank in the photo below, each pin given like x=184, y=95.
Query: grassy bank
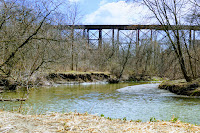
x=181, y=87
x=75, y=122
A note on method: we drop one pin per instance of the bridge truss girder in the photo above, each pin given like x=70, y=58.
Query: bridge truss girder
x=96, y=34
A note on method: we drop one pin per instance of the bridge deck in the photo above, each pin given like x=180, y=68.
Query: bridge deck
x=132, y=27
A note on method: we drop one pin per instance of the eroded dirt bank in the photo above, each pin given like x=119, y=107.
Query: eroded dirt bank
x=75, y=122
x=49, y=79
x=71, y=77
x=77, y=77
x=181, y=87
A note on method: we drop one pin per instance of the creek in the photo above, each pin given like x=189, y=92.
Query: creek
x=131, y=100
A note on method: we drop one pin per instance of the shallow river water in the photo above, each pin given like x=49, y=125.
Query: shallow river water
x=131, y=100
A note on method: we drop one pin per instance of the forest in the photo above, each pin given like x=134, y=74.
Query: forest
x=32, y=42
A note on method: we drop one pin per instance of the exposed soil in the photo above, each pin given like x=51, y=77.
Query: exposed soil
x=72, y=77
x=48, y=79
x=181, y=87
x=6, y=84
x=61, y=78
x=75, y=122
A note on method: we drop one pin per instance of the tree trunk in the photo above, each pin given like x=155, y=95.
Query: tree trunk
x=183, y=69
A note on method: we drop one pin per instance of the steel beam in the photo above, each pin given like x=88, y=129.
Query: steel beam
x=131, y=27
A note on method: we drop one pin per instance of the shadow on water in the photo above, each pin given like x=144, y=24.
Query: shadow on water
x=131, y=100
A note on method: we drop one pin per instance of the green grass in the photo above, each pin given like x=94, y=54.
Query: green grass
x=102, y=115
x=153, y=119
x=124, y=118
x=174, y=119
x=109, y=118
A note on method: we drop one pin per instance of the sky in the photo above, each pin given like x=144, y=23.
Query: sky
x=112, y=12
x=119, y=12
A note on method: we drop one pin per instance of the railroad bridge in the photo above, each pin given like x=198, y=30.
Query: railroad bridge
x=96, y=34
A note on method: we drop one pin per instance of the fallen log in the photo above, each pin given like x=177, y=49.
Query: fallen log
x=13, y=100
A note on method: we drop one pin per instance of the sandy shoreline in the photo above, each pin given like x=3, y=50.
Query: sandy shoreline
x=75, y=122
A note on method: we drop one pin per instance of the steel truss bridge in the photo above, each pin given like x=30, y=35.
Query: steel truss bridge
x=122, y=34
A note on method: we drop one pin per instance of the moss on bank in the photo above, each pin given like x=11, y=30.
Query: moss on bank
x=181, y=87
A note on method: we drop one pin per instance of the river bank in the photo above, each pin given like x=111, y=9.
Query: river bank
x=181, y=87
x=71, y=77
x=75, y=122
x=51, y=79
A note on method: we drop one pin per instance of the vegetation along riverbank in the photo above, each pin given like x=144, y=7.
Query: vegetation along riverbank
x=76, y=122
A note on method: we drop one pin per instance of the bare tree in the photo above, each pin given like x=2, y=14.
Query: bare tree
x=168, y=13
x=19, y=26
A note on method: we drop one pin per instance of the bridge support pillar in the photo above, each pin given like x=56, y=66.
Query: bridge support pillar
x=84, y=34
x=194, y=37
x=190, y=39
x=88, y=37
x=72, y=49
x=100, y=38
x=117, y=39
x=113, y=37
x=137, y=38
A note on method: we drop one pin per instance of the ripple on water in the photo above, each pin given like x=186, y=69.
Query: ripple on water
x=145, y=89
